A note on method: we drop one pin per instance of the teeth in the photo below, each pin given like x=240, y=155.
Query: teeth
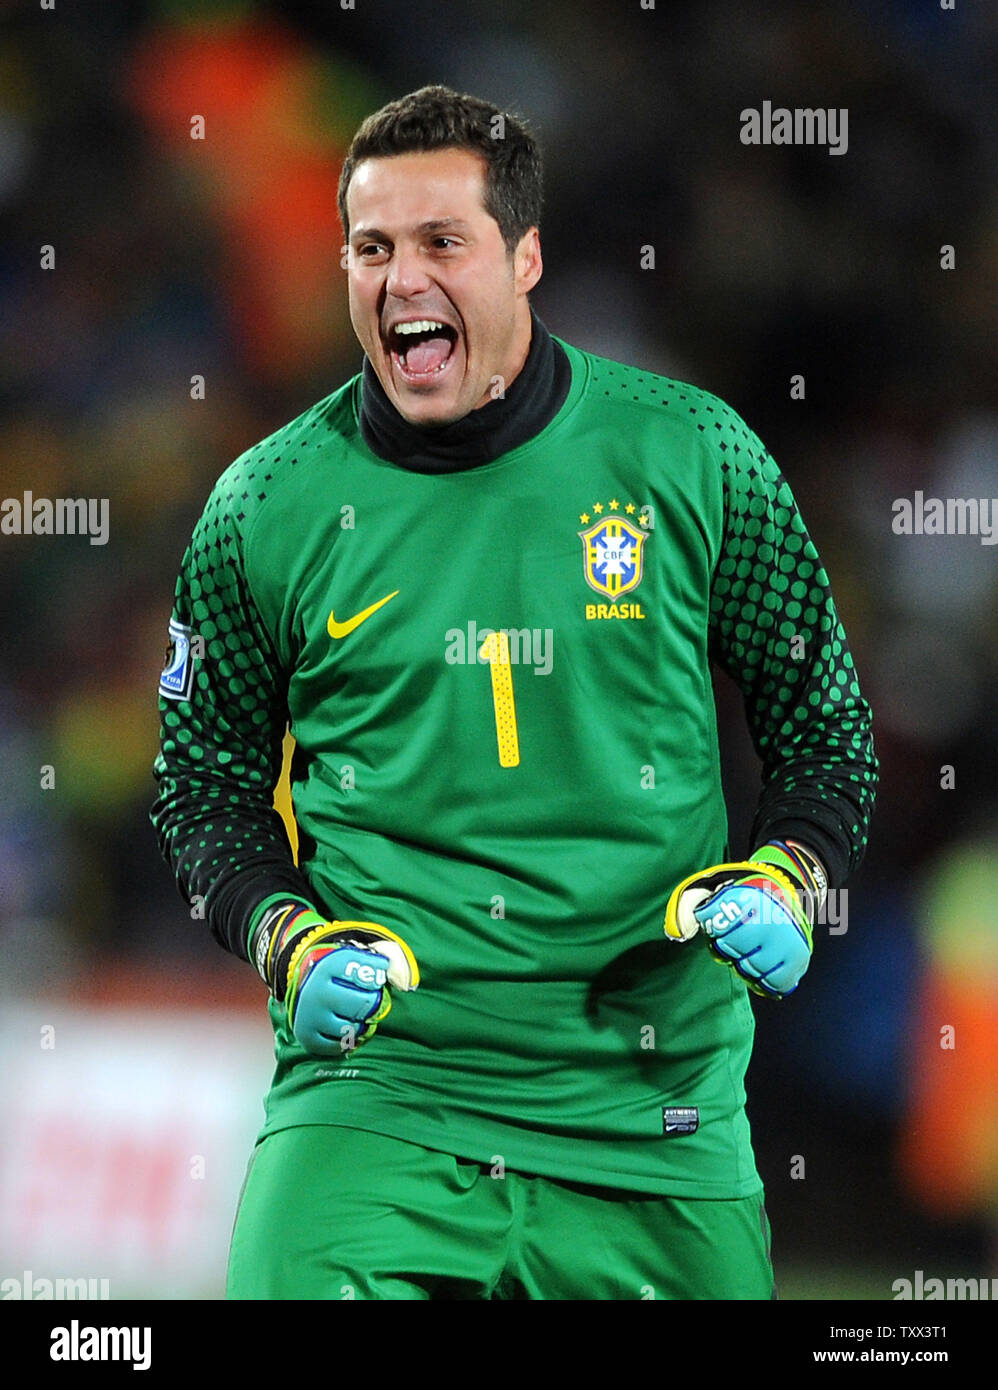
x=443, y=366
x=418, y=326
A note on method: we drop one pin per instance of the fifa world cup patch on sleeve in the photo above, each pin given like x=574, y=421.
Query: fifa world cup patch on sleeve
x=680, y=1119
x=178, y=672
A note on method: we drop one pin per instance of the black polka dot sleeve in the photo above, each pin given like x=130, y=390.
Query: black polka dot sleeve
x=774, y=629
x=220, y=748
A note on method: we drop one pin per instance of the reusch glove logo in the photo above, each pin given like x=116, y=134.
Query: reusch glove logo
x=366, y=974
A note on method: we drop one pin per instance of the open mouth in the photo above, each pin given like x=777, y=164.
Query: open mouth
x=422, y=350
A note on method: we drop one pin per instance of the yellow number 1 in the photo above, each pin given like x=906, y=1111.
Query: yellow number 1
x=495, y=649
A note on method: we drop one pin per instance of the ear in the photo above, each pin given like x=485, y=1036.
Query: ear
x=527, y=263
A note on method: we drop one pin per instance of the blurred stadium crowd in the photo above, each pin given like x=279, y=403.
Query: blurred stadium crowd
x=220, y=257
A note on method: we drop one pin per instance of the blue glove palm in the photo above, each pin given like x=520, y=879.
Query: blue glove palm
x=756, y=916
x=340, y=998
x=750, y=926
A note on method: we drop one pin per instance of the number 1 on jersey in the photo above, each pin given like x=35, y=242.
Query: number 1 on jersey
x=495, y=649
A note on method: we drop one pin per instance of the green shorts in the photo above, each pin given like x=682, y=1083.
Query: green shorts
x=335, y=1213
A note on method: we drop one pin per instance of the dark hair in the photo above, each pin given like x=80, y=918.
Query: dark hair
x=436, y=118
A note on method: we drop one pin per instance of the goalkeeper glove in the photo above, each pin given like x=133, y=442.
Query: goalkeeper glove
x=757, y=915
x=332, y=977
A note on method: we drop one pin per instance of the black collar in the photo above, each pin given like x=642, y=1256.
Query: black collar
x=531, y=402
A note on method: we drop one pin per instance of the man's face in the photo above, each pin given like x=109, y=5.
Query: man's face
x=423, y=251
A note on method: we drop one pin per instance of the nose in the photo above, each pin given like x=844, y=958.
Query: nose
x=407, y=275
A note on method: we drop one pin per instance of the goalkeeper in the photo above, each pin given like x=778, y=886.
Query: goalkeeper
x=484, y=582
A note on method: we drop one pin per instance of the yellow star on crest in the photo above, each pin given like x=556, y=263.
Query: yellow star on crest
x=614, y=504
x=598, y=507
x=584, y=518
x=630, y=509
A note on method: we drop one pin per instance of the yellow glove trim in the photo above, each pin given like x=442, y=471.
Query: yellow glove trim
x=309, y=939
x=327, y=930
x=736, y=870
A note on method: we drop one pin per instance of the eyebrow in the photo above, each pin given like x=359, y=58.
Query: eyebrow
x=437, y=224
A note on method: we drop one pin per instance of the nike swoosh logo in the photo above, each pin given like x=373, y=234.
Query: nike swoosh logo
x=336, y=629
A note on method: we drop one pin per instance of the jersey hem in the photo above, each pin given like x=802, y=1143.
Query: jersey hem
x=559, y=1166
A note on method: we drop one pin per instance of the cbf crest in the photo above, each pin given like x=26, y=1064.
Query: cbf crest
x=613, y=554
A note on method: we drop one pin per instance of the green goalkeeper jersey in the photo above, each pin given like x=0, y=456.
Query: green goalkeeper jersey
x=498, y=680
